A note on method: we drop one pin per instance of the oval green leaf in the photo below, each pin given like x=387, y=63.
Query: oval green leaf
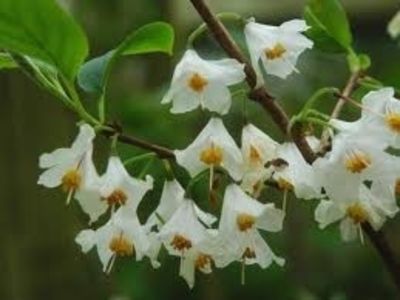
x=151, y=38
x=330, y=28
x=42, y=30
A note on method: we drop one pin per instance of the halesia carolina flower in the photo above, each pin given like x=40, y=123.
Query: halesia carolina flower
x=121, y=236
x=258, y=149
x=115, y=188
x=214, y=147
x=356, y=209
x=184, y=236
x=66, y=167
x=277, y=47
x=172, y=197
x=241, y=218
x=198, y=82
x=354, y=159
x=293, y=173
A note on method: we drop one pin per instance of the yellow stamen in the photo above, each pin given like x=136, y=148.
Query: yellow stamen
x=357, y=213
x=117, y=197
x=245, y=222
x=284, y=184
x=393, y=121
x=197, y=83
x=397, y=187
x=181, y=243
x=71, y=181
x=203, y=261
x=121, y=246
x=275, y=52
x=255, y=156
x=356, y=162
x=212, y=156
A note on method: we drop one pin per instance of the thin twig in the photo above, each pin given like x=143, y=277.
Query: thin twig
x=258, y=94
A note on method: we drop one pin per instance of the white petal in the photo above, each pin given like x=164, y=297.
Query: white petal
x=271, y=219
x=348, y=230
x=86, y=239
x=91, y=203
x=295, y=25
x=217, y=98
x=52, y=177
x=83, y=142
x=60, y=156
x=187, y=271
x=327, y=212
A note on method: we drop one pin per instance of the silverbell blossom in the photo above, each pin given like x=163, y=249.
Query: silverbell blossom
x=172, y=197
x=121, y=236
x=276, y=47
x=293, y=173
x=198, y=82
x=241, y=219
x=258, y=149
x=185, y=236
x=212, y=148
x=360, y=206
x=65, y=167
x=114, y=189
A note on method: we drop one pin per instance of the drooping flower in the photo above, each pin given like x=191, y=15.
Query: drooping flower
x=172, y=197
x=277, y=47
x=198, y=82
x=258, y=149
x=360, y=206
x=121, y=236
x=241, y=218
x=214, y=147
x=115, y=188
x=185, y=236
x=294, y=173
x=66, y=166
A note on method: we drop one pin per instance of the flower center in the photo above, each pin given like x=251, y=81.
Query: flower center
x=71, y=181
x=284, y=184
x=393, y=121
x=181, y=243
x=275, y=52
x=197, y=83
x=121, y=246
x=248, y=253
x=356, y=162
x=212, y=155
x=203, y=261
x=254, y=155
x=245, y=222
x=117, y=197
x=357, y=213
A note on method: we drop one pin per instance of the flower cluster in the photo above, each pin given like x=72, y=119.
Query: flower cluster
x=356, y=181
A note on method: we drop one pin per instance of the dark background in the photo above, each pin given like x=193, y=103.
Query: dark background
x=38, y=256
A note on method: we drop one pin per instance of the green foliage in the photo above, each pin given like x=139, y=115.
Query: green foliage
x=358, y=62
x=42, y=30
x=7, y=62
x=154, y=37
x=330, y=29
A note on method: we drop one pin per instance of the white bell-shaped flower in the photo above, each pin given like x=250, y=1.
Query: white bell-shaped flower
x=172, y=197
x=66, y=166
x=121, y=236
x=185, y=236
x=357, y=208
x=198, y=82
x=277, y=47
x=241, y=218
x=292, y=172
x=114, y=189
x=258, y=149
x=214, y=147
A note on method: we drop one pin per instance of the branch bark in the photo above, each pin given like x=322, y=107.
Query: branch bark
x=257, y=94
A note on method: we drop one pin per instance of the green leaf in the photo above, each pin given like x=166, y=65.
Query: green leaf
x=7, y=62
x=151, y=38
x=330, y=29
x=42, y=30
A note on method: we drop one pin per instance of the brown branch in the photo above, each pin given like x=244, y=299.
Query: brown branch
x=257, y=94
x=377, y=238
x=161, y=151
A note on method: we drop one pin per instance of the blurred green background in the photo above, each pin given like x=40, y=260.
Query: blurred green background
x=38, y=257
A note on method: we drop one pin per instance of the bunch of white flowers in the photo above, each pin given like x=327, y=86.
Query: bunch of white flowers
x=356, y=182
